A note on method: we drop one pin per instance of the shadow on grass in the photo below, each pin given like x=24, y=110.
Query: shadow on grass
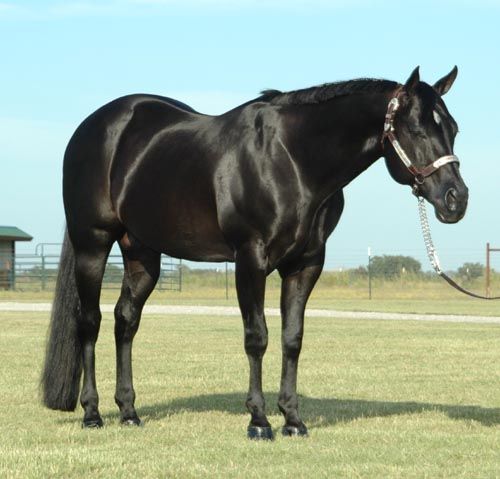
x=319, y=412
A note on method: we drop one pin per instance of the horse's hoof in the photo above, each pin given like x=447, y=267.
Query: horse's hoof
x=260, y=433
x=135, y=421
x=292, y=431
x=92, y=423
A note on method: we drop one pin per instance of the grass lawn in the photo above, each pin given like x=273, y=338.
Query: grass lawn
x=381, y=399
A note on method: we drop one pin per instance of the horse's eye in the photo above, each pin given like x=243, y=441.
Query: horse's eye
x=436, y=116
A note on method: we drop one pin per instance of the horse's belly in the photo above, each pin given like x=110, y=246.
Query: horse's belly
x=200, y=243
x=179, y=223
x=195, y=244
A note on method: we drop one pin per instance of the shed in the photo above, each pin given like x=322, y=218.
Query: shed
x=8, y=237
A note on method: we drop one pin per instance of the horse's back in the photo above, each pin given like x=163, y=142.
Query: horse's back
x=142, y=164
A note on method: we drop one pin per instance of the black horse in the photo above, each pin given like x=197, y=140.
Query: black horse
x=260, y=185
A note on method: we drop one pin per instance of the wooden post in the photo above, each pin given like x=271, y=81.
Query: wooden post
x=13, y=266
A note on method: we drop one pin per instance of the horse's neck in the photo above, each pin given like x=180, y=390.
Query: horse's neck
x=337, y=140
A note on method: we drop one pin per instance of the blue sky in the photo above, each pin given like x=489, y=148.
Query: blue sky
x=62, y=60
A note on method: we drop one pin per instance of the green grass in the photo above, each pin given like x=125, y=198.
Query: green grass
x=384, y=399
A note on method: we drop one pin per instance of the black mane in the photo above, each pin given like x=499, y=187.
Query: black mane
x=318, y=94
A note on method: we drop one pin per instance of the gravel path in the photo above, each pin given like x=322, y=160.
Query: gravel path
x=232, y=311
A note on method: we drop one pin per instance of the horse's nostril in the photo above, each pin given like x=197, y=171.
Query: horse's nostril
x=451, y=199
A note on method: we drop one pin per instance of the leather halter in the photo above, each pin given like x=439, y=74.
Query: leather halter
x=389, y=132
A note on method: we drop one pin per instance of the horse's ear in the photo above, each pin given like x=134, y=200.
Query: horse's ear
x=442, y=86
x=412, y=81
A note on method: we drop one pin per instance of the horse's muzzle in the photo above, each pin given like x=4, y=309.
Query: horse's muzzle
x=452, y=208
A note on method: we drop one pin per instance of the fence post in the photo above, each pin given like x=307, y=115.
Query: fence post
x=488, y=270
x=44, y=279
x=180, y=275
x=369, y=273
x=227, y=283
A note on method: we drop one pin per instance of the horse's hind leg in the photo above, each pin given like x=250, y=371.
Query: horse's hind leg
x=90, y=263
x=142, y=268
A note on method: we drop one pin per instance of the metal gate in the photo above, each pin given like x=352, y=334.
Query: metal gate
x=35, y=272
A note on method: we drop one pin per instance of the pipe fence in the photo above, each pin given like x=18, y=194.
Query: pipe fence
x=351, y=274
x=38, y=272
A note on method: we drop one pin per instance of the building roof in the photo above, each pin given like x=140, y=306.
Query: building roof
x=13, y=233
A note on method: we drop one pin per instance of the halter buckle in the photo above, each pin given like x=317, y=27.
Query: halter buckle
x=419, y=179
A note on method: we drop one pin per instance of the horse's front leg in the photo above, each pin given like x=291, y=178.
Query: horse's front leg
x=295, y=291
x=250, y=285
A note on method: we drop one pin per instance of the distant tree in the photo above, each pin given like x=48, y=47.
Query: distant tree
x=471, y=271
x=360, y=271
x=389, y=266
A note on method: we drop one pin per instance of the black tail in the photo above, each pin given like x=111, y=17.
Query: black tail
x=63, y=363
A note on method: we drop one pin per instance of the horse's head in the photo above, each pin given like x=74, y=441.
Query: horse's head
x=419, y=134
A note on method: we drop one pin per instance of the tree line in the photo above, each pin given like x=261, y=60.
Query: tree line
x=384, y=266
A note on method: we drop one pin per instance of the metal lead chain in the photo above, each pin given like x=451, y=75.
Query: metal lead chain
x=426, y=232
x=433, y=257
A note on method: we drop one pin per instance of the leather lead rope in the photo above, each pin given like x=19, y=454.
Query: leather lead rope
x=432, y=254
